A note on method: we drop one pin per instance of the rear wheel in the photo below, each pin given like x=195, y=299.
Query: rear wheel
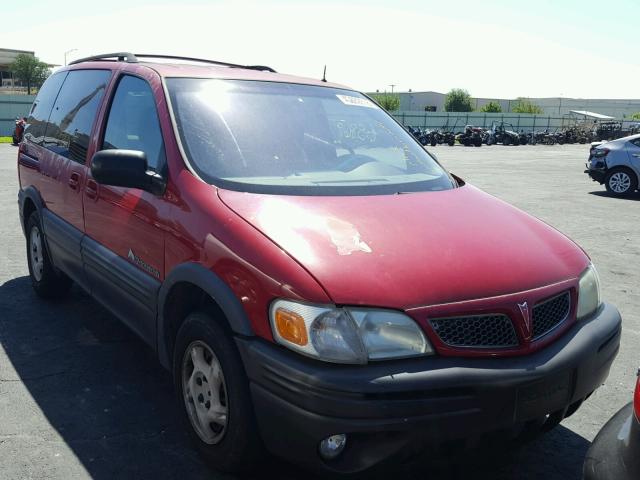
x=47, y=281
x=213, y=394
x=621, y=182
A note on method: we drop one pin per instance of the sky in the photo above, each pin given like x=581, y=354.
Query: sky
x=492, y=48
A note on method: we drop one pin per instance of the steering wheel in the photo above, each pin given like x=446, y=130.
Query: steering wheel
x=351, y=161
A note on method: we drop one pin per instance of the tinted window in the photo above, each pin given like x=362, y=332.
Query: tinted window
x=636, y=142
x=300, y=139
x=41, y=108
x=74, y=112
x=133, y=121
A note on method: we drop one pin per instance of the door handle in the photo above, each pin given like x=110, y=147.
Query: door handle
x=91, y=190
x=637, y=155
x=74, y=181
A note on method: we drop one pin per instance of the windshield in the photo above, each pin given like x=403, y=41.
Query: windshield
x=269, y=137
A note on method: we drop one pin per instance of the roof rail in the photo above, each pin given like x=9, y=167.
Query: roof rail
x=203, y=60
x=133, y=58
x=119, y=56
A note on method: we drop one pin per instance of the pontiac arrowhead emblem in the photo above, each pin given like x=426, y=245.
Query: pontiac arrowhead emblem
x=524, y=310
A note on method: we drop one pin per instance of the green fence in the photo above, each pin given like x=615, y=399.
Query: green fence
x=457, y=121
x=11, y=107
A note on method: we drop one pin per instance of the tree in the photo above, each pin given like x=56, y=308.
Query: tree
x=524, y=105
x=491, y=107
x=30, y=70
x=458, y=100
x=635, y=116
x=389, y=101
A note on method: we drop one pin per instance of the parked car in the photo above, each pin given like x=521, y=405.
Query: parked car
x=615, y=452
x=616, y=164
x=318, y=284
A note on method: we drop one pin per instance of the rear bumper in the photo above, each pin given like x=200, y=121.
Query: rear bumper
x=393, y=407
x=596, y=174
x=615, y=452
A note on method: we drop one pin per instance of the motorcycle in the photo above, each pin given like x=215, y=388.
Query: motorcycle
x=470, y=136
x=18, y=131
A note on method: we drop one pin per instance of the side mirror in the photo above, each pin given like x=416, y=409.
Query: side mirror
x=126, y=168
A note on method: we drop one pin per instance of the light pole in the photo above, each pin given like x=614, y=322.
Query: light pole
x=392, y=85
x=67, y=52
x=560, y=104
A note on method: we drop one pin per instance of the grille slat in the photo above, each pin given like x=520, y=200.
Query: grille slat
x=479, y=331
x=550, y=313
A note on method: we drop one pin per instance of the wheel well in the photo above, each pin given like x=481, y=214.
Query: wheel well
x=185, y=298
x=28, y=208
x=626, y=169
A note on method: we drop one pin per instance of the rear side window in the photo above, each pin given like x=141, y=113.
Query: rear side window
x=74, y=112
x=41, y=108
x=133, y=121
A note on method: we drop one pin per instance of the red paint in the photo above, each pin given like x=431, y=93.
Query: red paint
x=431, y=254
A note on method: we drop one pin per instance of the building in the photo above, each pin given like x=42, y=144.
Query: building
x=555, y=106
x=7, y=56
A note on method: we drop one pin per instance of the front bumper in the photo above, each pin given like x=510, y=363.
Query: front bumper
x=615, y=452
x=391, y=408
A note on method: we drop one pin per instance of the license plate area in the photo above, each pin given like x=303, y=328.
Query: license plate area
x=544, y=396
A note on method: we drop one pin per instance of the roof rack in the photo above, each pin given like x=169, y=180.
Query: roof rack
x=133, y=58
x=118, y=56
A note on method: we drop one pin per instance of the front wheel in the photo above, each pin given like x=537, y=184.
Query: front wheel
x=46, y=280
x=213, y=394
x=621, y=182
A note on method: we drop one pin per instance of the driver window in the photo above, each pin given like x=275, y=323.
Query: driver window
x=133, y=122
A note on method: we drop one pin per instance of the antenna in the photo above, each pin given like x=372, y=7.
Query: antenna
x=324, y=74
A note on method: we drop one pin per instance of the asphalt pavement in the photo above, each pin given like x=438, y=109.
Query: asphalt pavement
x=81, y=397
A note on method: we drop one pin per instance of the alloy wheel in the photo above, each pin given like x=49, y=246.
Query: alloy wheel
x=620, y=182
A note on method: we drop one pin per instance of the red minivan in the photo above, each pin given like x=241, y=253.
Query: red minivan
x=320, y=287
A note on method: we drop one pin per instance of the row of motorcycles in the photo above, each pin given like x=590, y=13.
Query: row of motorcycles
x=501, y=133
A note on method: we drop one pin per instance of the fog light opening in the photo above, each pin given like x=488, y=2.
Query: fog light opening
x=331, y=447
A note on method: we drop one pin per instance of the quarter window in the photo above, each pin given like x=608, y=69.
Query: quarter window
x=72, y=117
x=41, y=108
x=133, y=122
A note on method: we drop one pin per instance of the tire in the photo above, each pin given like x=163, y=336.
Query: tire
x=234, y=446
x=621, y=182
x=516, y=141
x=47, y=281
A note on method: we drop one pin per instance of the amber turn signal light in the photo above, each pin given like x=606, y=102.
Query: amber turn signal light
x=291, y=327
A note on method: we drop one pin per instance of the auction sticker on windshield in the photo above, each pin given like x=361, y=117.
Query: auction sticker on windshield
x=356, y=101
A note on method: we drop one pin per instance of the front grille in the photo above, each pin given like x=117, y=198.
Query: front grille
x=479, y=331
x=550, y=313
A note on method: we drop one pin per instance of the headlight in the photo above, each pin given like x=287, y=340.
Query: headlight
x=588, y=293
x=346, y=335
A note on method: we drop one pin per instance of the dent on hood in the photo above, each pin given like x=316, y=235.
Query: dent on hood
x=285, y=222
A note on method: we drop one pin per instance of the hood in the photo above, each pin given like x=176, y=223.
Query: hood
x=417, y=249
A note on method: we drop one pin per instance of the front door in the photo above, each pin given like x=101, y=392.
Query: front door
x=123, y=251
